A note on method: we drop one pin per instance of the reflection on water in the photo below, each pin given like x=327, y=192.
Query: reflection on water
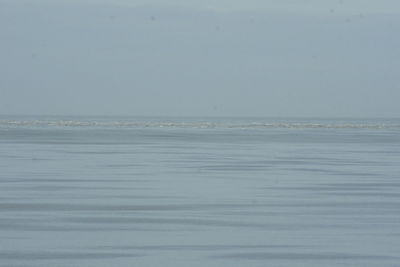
x=263, y=194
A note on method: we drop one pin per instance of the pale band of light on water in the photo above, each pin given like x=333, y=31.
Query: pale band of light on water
x=205, y=123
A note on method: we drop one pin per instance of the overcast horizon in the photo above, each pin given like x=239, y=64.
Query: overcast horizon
x=192, y=58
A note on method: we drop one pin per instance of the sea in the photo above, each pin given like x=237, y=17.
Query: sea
x=164, y=191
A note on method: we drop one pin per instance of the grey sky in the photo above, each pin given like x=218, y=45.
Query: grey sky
x=283, y=6
x=239, y=58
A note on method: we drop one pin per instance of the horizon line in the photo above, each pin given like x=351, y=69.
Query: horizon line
x=200, y=116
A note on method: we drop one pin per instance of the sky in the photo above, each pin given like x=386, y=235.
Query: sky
x=269, y=58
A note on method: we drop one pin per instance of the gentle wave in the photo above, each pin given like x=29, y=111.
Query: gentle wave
x=161, y=124
x=83, y=192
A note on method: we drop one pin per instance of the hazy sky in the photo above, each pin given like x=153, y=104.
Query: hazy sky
x=200, y=58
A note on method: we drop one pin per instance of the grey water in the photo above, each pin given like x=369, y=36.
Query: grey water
x=130, y=191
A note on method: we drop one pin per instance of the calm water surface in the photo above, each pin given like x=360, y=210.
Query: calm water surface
x=199, y=192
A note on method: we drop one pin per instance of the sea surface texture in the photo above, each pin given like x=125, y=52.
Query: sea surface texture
x=112, y=192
